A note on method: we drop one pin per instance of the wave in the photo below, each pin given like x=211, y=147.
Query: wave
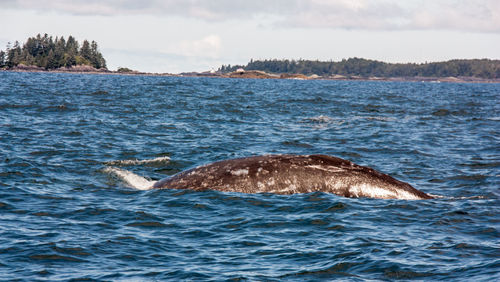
x=319, y=119
x=470, y=198
x=158, y=160
x=131, y=179
x=458, y=198
x=322, y=121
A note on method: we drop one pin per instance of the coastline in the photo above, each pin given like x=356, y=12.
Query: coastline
x=254, y=74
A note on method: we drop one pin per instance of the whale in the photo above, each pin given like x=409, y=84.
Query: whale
x=291, y=174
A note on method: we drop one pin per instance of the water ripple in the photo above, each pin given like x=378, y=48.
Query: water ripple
x=62, y=217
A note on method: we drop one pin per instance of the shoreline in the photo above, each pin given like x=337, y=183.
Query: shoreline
x=251, y=74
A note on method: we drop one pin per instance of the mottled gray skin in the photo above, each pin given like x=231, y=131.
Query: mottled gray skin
x=289, y=174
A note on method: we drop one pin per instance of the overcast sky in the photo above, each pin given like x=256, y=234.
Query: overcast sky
x=198, y=35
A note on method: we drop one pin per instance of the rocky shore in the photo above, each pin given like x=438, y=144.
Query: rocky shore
x=255, y=74
x=250, y=74
x=76, y=69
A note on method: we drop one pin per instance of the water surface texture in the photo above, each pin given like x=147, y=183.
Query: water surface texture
x=64, y=216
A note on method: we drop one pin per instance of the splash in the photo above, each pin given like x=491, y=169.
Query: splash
x=477, y=197
x=131, y=179
x=158, y=160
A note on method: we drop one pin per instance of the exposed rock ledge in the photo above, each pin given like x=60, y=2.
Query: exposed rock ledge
x=76, y=69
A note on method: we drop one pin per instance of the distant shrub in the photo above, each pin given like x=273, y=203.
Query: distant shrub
x=122, y=69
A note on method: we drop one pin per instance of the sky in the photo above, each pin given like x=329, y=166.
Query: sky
x=173, y=36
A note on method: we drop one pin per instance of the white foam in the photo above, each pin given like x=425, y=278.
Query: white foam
x=436, y=196
x=468, y=198
x=320, y=118
x=131, y=179
x=139, y=162
x=381, y=118
x=473, y=197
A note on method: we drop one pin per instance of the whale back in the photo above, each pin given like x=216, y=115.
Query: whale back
x=289, y=174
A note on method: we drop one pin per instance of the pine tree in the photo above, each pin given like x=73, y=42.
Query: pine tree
x=93, y=55
x=59, y=50
x=71, y=52
x=2, y=59
x=51, y=60
x=14, y=55
x=85, y=51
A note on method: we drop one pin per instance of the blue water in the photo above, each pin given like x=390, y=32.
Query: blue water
x=63, y=216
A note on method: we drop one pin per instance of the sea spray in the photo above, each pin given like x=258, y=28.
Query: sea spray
x=131, y=179
x=158, y=160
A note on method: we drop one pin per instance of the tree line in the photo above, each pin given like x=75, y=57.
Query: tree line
x=49, y=53
x=482, y=68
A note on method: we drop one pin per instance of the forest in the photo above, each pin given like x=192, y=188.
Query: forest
x=52, y=53
x=481, y=68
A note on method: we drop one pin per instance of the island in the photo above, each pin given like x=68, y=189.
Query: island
x=359, y=68
x=46, y=53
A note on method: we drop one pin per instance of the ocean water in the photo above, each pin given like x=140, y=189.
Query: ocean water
x=66, y=212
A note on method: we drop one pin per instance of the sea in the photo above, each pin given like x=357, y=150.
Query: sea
x=77, y=150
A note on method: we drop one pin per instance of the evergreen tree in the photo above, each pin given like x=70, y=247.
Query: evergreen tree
x=14, y=55
x=59, y=46
x=362, y=67
x=51, y=60
x=2, y=59
x=85, y=51
x=49, y=53
x=71, y=51
x=72, y=46
x=96, y=57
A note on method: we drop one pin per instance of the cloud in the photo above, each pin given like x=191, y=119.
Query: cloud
x=156, y=61
x=482, y=15
x=202, y=9
x=461, y=15
x=208, y=47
